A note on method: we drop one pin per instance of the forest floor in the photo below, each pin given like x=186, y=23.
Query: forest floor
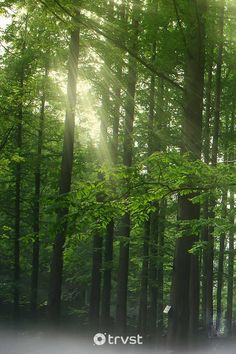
x=31, y=342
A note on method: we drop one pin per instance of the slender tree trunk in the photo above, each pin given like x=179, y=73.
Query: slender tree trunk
x=142, y=318
x=154, y=232
x=160, y=267
x=218, y=87
x=108, y=250
x=108, y=254
x=230, y=284
x=16, y=289
x=37, y=192
x=55, y=286
x=95, y=293
x=106, y=290
x=122, y=285
x=209, y=254
x=18, y=203
x=208, y=114
x=220, y=272
x=183, y=322
x=206, y=153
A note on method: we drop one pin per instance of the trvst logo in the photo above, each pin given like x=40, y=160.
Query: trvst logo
x=105, y=338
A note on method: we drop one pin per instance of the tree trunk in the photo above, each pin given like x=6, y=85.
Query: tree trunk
x=122, y=286
x=106, y=290
x=160, y=267
x=18, y=205
x=154, y=232
x=142, y=318
x=218, y=87
x=206, y=153
x=95, y=292
x=209, y=254
x=220, y=272
x=95, y=295
x=230, y=284
x=55, y=286
x=183, y=322
x=108, y=251
x=37, y=192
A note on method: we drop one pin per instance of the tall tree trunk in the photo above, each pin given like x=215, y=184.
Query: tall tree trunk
x=142, y=318
x=220, y=272
x=185, y=285
x=160, y=266
x=122, y=285
x=206, y=153
x=230, y=284
x=37, y=192
x=209, y=254
x=16, y=294
x=108, y=249
x=154, y=232
x=95, y=293
x=106, y=290
x=55, y=286
x=18, y=203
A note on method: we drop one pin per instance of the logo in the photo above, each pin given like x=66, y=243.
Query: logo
x=105, y=338
x=99, y=339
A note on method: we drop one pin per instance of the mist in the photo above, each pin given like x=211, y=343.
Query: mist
x=39, y=342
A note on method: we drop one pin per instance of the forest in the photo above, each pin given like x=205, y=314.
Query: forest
x=117, y=169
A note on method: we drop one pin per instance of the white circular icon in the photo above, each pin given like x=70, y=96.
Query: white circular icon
x=99, y=339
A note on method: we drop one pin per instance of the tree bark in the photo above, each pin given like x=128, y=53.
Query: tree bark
x=16, y=290
x=230, y=283
x=18, y=205
x=160, y=267
x=183, y=321
x=142, y=318
x=55, y=286
x=37, y=192
x=220, y=272
x=206, y=153
x=106, y=290
x=95, y=293
x=122, y=285
x=209, y=254
x=108, y=251
x=154, y=232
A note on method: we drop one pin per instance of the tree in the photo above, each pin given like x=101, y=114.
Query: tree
x=121, y=307
x=185, y=285
x=54, y=300
x=38, y=177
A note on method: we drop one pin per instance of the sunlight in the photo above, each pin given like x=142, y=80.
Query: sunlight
x=87, y=117
x=4, y=21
